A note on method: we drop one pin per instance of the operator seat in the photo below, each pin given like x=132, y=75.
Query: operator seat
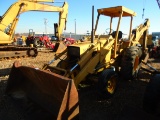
x=119, y=34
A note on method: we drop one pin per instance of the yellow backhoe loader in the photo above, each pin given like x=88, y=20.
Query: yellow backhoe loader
x=9, y=20
x=103, y=56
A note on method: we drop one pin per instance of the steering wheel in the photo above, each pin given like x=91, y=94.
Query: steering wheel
x=108, y=30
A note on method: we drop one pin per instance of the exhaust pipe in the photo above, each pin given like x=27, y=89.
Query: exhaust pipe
x=92, y=32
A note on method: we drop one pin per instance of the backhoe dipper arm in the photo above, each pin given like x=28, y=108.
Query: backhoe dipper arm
x=62, y=20
x=138, y=32
x=63, y=12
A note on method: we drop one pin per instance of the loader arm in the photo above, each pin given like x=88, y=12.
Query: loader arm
x=88, y=63
x=14, y=11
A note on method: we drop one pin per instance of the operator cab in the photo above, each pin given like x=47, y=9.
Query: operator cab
x=116, y=12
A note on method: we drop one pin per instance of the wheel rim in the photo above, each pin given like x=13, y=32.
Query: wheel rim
x=32, y=52
x=111, y=85
x=136, y=63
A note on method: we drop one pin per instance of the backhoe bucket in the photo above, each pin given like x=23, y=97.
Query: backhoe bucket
x=59, y=47
x=53, y=93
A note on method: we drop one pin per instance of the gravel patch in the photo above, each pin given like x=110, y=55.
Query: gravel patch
x=125, y=104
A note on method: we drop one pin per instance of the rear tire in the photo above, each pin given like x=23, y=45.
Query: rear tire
x=107, y=82
x=37, y=42
x=130, y=62
x=151, y=98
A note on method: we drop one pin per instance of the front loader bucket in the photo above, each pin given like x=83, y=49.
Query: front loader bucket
x=59, y=47
x=54, y=93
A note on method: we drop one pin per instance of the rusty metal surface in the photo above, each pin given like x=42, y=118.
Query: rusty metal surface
x=56, y=94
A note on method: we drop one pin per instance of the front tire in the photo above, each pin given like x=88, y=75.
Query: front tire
x=107, y=82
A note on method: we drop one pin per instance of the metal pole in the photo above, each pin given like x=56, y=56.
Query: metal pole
x=75, y=28
x=45, y=23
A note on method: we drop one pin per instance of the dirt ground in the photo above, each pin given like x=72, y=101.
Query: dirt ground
x=125, y=104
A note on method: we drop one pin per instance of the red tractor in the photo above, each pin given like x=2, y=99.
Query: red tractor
x=68, y=41
x=39, y=41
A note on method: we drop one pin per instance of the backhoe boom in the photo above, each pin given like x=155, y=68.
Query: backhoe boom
x=13, y=13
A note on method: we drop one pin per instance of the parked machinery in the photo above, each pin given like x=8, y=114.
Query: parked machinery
x=10, y=19
x=103, y=57
x=68, y=41
x=155, y=49
x=153, y=44
x=39, y=41
x=106, y=54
